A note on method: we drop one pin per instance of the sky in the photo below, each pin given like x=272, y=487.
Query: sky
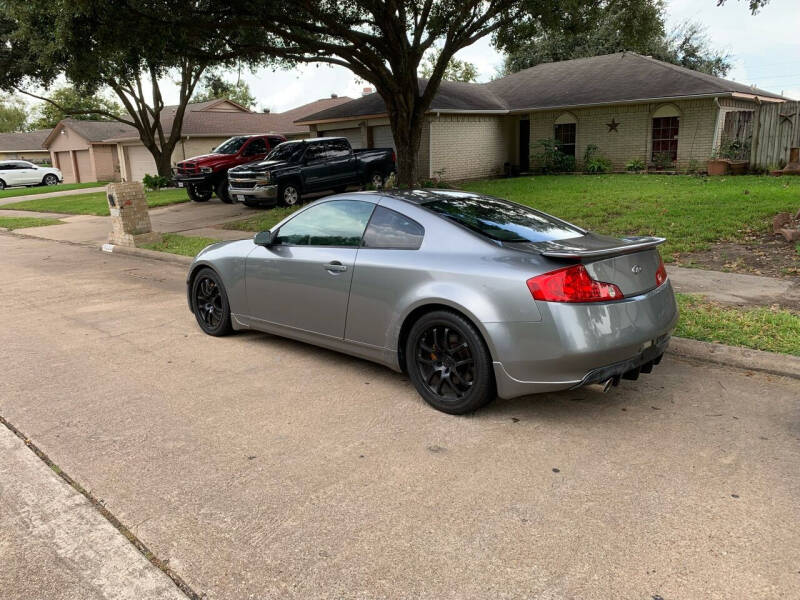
x=763, y=48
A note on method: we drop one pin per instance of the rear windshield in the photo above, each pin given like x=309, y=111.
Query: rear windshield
x=501, y=220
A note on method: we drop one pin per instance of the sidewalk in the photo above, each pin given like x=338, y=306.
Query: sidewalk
x=54, y=544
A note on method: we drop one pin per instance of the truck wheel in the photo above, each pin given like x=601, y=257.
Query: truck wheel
x=222, y=191
x=376, y=180
x=341, y=189
x=252, y=203
x=289, y=194
x=198, y=194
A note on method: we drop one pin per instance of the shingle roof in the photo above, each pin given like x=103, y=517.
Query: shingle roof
x=98, y=131
x=19, y=141
x=620, y=77
x=197, y=120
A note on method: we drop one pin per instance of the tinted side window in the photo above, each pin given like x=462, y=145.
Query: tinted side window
x=274, y=141
x=257, y=146
x=315, y=152
x=337, y=223
x=389, y=229
x=7, y=166
x=338, y=149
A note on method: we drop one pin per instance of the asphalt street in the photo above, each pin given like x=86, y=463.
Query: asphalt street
x=263, y=468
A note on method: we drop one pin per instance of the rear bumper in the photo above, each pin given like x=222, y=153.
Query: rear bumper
x=578, y=344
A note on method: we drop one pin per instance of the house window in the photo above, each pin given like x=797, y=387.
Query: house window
x=565, y=138
x=665, y=137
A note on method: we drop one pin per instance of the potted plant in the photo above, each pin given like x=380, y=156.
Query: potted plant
x=729, y=158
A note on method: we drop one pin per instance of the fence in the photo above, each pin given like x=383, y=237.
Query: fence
x=776, y=130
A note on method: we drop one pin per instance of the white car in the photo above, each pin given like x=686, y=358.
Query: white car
x=22, y=172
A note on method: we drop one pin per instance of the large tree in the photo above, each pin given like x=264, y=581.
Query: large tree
x=456, y=70
x=127, y=47
x=13, y=114
x=382, y=43
x=581, y=28
x=96, y=105
x=214, y=86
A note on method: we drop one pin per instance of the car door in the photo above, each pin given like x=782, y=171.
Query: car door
x=9, y=173
x=341, y=164
x=315, y=167
x=303, y=280
x=28, y=173
x=255, y=150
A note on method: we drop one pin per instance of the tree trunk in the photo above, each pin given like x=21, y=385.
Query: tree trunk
x=164, y=164
x=407, y=132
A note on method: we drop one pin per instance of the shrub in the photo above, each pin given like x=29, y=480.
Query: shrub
x=733, y=149
x=662, y=160
x=552, y=160
x=635, y=164
x=155, y=182
x=593, y=163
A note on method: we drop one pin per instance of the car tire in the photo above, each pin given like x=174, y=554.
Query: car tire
x=449, y=363
x=252, y=203
x=289, y=194
x=376, y=180
x=198, y=194
x=210, y=303
x=223, y=193
x=50, y=179
x=340, y=190
x=2, y=184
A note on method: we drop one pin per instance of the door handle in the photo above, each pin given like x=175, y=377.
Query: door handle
x=335, y=267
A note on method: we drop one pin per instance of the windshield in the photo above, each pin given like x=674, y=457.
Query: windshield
x=285, y=151
x=231, y=146
x=501, y=220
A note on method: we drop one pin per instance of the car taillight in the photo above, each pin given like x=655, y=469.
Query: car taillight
x=394, y=157
x=661, y=272
x=572, y=284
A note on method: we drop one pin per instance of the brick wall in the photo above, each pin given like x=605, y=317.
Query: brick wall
x=698, y=126
x=470, y=146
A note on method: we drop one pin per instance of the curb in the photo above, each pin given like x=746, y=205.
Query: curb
x=144, y=253
x=785, y=365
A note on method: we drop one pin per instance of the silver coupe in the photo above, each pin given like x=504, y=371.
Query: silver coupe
x=473, y=296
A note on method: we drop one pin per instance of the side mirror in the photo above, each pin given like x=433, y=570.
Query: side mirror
x=265, y=238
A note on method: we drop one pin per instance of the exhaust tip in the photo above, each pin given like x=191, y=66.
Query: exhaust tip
x=604, y=386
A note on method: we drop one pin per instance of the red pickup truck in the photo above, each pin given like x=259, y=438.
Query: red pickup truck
x=203, y=175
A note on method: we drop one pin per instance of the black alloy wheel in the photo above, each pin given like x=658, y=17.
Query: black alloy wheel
x=198, y=194
x=449, y=364
x=210, y=304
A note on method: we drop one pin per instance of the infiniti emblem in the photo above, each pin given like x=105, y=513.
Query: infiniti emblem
x=636, y=269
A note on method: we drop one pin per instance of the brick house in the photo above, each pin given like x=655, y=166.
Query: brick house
x=112, y=151
x=630, y=106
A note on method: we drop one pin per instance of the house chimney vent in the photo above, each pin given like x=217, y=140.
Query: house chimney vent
x=334, y=95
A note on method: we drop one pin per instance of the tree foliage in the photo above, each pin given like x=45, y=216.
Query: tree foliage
x=581, y=28
x=125, y=46
x=94, y=106
x=382, y=43
x=456, y=70
x=754, y=5
x=214, y=87
x=13, y=114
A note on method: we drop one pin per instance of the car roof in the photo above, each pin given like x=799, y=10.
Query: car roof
x=421, y=196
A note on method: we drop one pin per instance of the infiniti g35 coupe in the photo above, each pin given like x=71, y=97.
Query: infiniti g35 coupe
x=472, y=296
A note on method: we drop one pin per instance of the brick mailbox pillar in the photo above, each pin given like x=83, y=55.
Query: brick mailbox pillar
x=130, y=221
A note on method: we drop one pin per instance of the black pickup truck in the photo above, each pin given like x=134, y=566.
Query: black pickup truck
x=312, y=165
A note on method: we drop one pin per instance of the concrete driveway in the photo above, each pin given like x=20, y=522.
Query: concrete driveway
x=264, y=468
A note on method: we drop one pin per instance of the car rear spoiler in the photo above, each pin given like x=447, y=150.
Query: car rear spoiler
x=630, y=245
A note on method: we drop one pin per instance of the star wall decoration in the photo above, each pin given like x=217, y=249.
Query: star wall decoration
x=613, y=125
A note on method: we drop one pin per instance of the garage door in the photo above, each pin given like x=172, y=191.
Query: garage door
x=140, y=163
x=84, y=165
x=65, y=165
x=382, y=137
x=353, y=135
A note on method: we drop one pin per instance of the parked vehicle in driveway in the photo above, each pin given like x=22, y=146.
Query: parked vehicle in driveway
x=473, y=296
x=24, y=173
x=312, y=165
x=204, y=175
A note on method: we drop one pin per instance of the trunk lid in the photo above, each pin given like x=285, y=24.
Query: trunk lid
x=629, y=263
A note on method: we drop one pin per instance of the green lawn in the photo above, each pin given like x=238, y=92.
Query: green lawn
x=22, y=222
x=691, y=212
x=93, y=203
x=43, y=189
x=758, y=328
x=262, y=221
x=180, y=244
